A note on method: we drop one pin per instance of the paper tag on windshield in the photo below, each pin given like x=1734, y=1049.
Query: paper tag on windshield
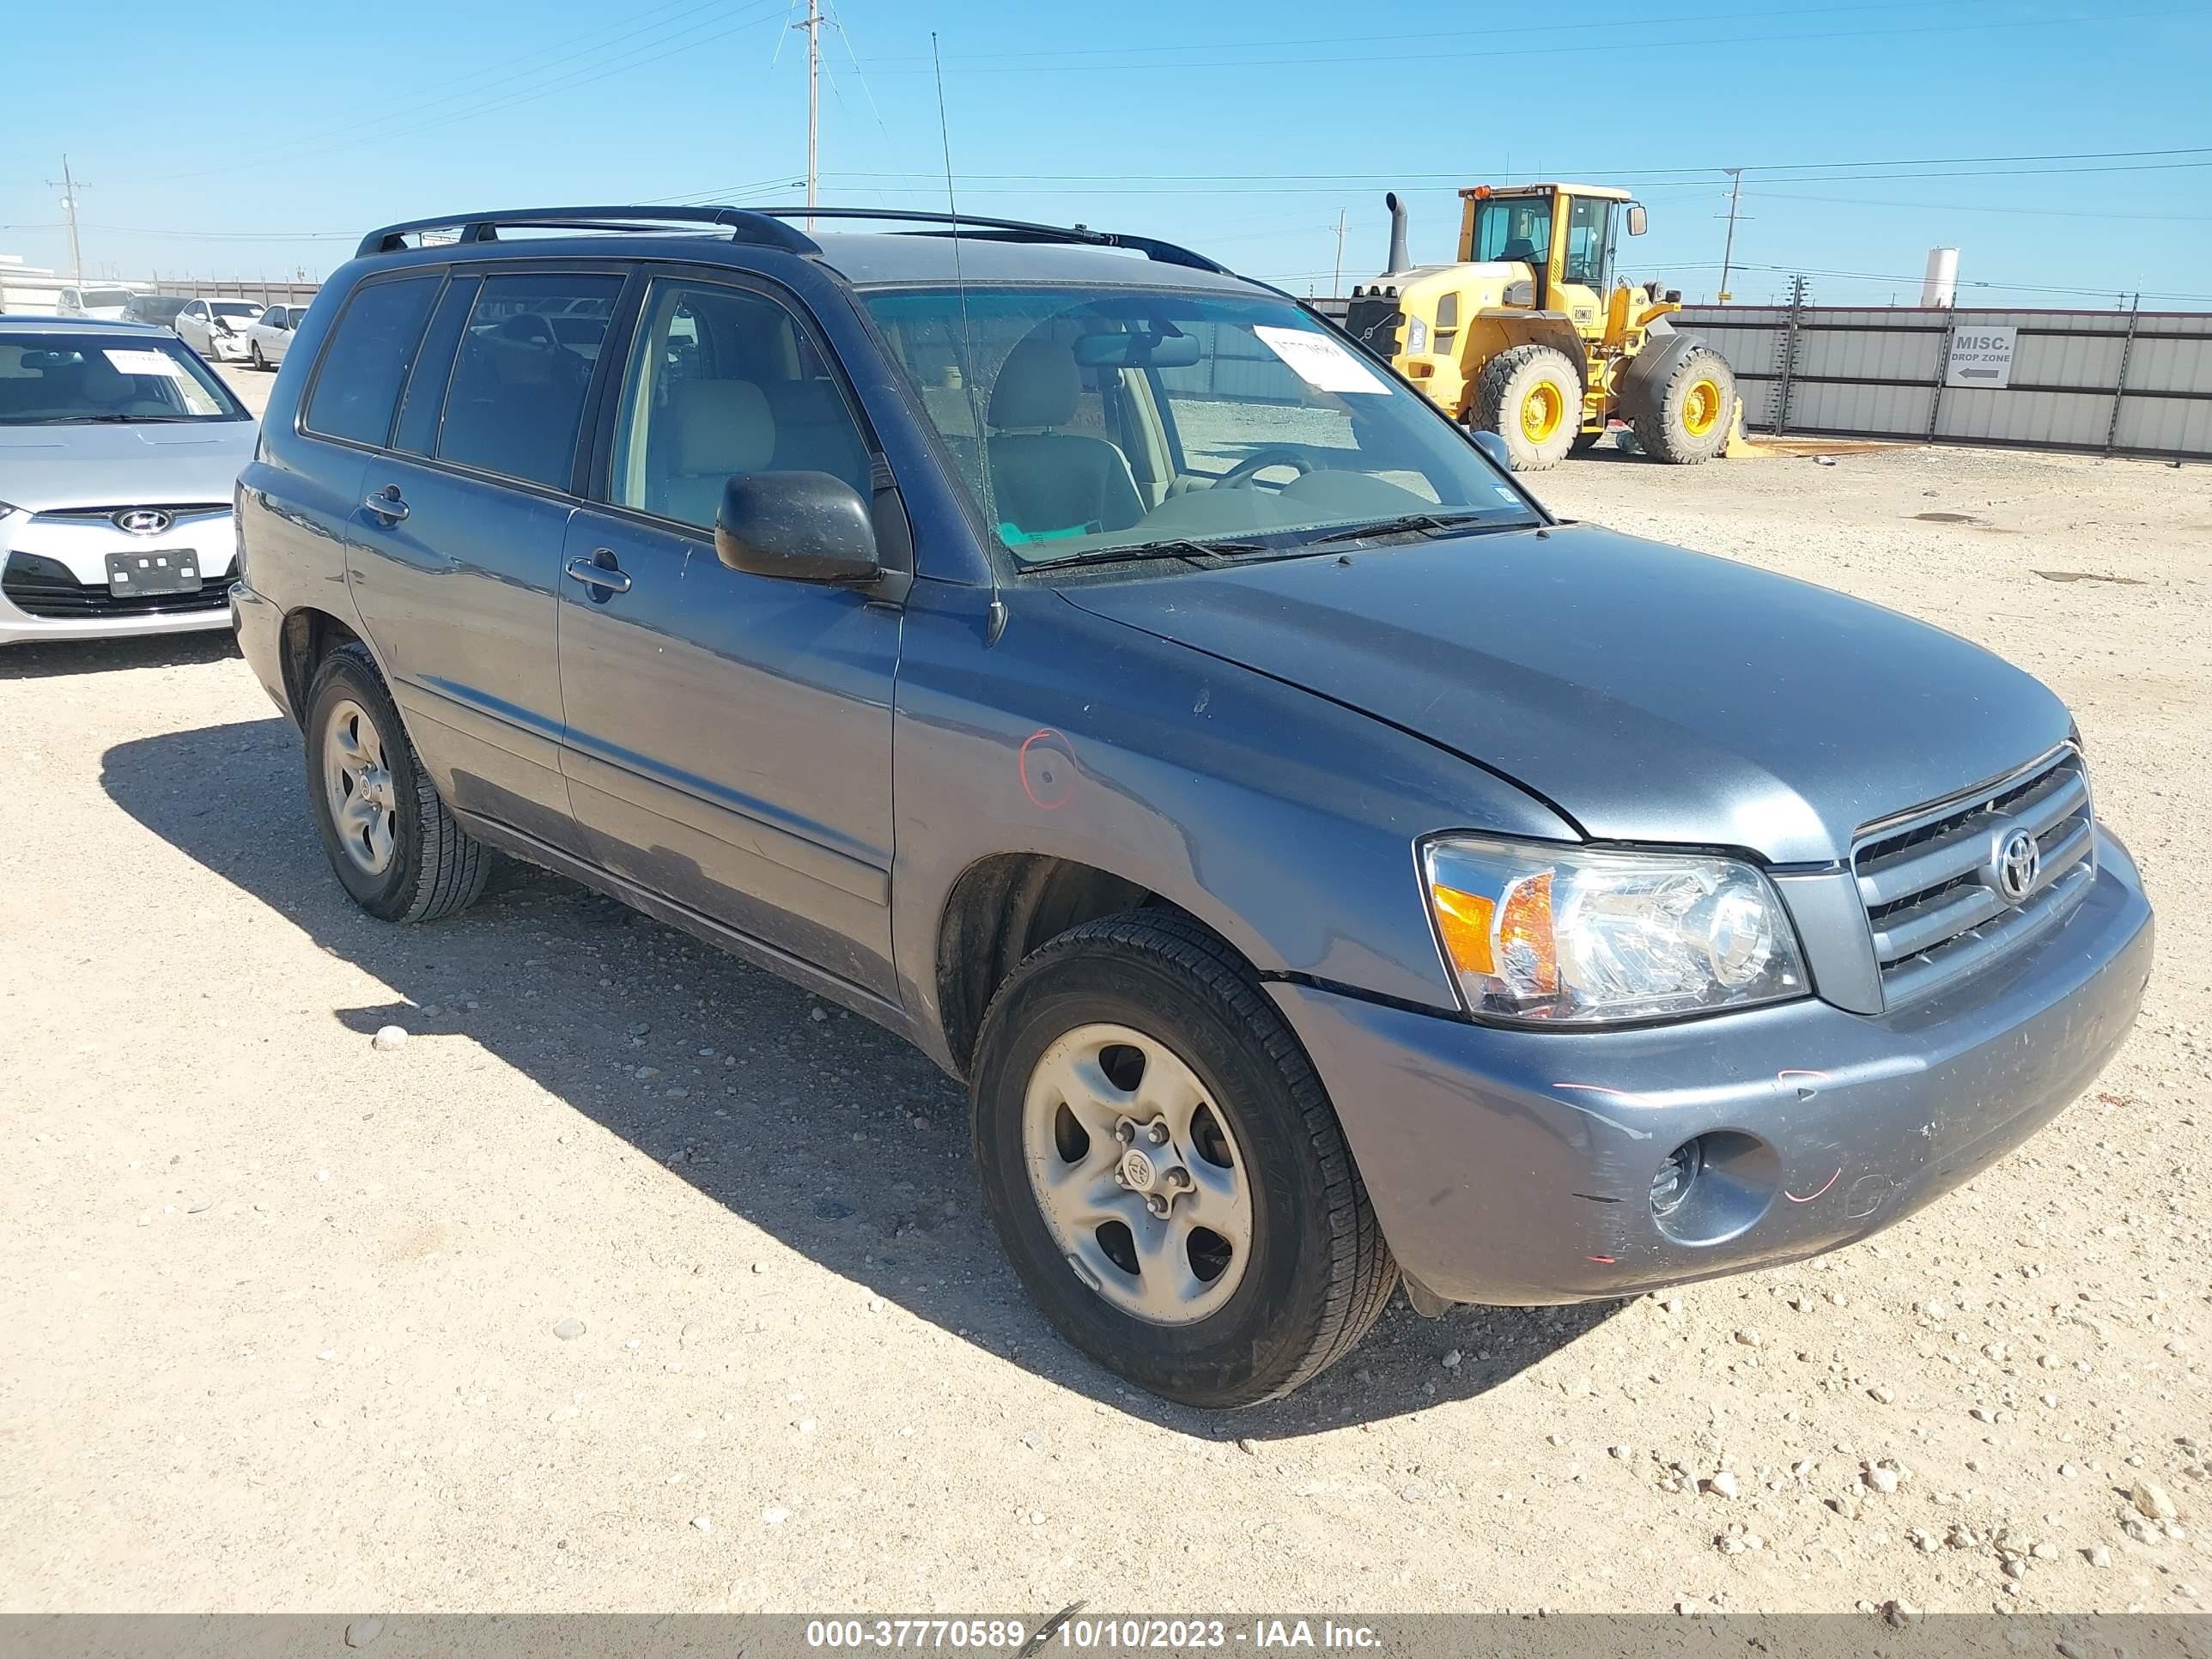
x=144, y=363
x=1318, y=361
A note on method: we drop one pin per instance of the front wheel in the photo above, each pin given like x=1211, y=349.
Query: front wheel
x=1686, y=420
x=395, y=846
x=1164, y=1170
x=255, y=351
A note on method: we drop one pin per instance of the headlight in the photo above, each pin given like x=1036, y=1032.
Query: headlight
x=1417, y=334
x=1565, y=935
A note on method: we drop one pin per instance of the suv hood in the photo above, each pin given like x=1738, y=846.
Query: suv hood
x=48, y=468
x=1648, y=693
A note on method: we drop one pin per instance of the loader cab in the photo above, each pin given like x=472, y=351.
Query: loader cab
x=1566, y=234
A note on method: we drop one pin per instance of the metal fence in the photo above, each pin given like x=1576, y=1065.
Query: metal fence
x=267, y=294
x=2103, y=382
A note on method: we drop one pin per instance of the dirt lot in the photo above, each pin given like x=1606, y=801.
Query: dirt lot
x=284, y=1317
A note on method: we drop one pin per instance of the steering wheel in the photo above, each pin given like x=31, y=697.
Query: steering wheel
x=1242, y=476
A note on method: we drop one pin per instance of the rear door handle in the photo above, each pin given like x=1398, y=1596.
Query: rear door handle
x=387, y=505
x=592, y=574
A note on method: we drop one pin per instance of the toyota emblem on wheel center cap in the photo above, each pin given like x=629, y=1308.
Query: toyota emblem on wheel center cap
x=142, y=520
x=2018, y=862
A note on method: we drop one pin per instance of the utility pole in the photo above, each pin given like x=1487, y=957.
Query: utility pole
x=1336, y=287
x=813, y=27
x=67, y=186
x=1727, y=249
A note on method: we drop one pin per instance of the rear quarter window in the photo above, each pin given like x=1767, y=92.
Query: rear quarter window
x=366, y=362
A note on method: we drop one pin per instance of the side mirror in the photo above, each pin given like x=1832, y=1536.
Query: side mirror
x=801, y=527
x=1494, y=447
x=1638, y=219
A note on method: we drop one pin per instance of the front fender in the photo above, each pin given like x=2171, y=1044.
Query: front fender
x=1283, y=821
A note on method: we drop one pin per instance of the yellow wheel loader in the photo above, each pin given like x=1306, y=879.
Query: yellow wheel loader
x=1530, y=335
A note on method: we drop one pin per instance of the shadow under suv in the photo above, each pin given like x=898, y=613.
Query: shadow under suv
x=1325, y=867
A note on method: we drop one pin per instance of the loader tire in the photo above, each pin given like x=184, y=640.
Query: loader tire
x=1687, y=419
x=1531, y=397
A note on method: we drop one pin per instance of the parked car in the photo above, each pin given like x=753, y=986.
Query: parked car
x=160, y=309
x=267, y=335
x=106, y=304
x=1324, y=865
x=118, y=454
x=216, y=328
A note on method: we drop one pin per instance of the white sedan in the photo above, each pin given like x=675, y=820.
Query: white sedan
x=269, y=333
x=216, y=328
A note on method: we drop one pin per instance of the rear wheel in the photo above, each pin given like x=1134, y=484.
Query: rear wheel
x=1531, y=397
x=1687, y=420
x=396, y=849
x=1164, y=1170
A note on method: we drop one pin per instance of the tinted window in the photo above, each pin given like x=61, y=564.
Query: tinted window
x=417, y=431
x=516, y=398
x=366, y=359
x=721, y=382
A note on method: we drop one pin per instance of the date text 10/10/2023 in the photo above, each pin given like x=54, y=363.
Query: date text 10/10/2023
x=1105, y=1634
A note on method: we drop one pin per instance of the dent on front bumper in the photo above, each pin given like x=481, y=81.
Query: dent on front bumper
x=1514, y=1167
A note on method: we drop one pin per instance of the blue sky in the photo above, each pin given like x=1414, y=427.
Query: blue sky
x=270, y=137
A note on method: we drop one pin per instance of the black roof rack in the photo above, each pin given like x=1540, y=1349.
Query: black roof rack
x=765, y=227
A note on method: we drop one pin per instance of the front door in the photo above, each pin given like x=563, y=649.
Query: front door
x=729, y=736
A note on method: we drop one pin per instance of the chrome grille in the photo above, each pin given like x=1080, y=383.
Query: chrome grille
x=1930, y=879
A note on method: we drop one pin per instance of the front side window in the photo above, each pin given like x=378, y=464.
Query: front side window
x=1515, y=229
x=66, y=379
x=1092, y=421
x=365, y=361
x=723, y=381
x=1590, y=241
x=516, y=398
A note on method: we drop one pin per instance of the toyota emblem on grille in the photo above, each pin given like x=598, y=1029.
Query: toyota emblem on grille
x=144, y=521
x=2018, y=863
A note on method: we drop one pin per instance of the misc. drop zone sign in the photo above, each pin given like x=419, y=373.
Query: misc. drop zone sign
x=1980, y=357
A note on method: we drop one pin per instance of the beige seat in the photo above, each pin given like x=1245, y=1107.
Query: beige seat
x=707, y=430
x=1046, y=481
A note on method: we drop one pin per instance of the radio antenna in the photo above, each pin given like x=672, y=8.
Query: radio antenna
x=967, y=339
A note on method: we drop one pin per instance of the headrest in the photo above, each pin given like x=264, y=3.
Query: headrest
x=1037, y=387
x=103, y=382
x=718, y=426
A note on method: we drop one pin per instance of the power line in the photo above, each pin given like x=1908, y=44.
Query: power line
x=1634, y=45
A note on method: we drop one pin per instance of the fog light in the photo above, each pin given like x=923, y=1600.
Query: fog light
x=1672, y=1184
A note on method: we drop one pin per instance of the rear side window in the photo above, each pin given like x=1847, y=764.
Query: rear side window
x=516, y=398
x=365, y=361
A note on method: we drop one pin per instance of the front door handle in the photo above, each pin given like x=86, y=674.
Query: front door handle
x=387, y=505
x=593, y=573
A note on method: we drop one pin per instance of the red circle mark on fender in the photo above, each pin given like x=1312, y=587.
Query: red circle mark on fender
x=1047, y=765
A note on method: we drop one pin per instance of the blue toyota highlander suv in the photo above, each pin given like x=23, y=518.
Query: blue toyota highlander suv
x=1326, y=867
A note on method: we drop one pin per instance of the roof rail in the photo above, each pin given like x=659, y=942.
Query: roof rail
x=743, y=225
x=765, y=226
x=1008, y=230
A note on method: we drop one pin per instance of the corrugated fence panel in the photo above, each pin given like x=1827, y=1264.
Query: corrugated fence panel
x=1875, y=372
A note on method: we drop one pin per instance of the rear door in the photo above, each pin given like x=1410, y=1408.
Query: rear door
x=729, y=735
x=459, y=545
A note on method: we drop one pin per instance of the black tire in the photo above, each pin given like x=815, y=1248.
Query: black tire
x=1319, y=1272
x=1516, y=383
x=1687, y=417
x=436, y=868
x=259, y=362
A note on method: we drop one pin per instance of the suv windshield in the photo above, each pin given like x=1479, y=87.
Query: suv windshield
x=67, y=379
x=1089, y=421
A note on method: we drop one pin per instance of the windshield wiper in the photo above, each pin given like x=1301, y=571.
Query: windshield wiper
x=1432, y=524
x=1175, y=548
x=120, y=420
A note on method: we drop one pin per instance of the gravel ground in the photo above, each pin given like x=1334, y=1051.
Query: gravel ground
x=635, y=1279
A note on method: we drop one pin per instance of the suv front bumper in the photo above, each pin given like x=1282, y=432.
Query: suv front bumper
x=1516, y=1167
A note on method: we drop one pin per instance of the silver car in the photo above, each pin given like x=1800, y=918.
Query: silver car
x=119, y=451
x=216, y=328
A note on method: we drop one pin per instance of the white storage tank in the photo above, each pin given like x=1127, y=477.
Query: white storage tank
x=1940, y=287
